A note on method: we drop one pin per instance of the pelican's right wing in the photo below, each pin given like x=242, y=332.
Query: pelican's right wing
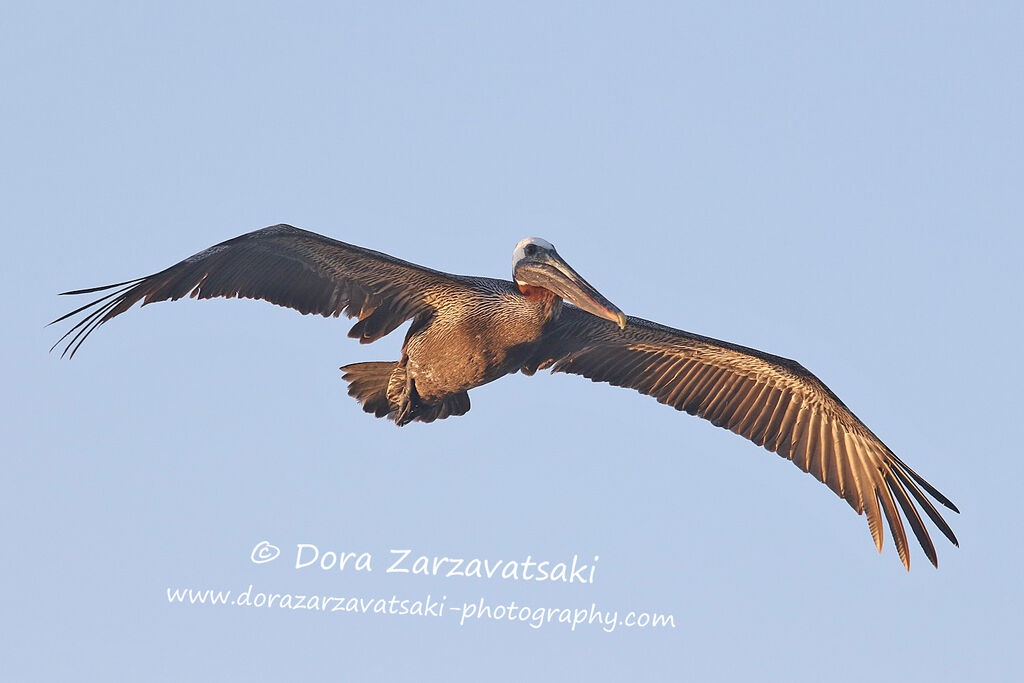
x=774, y=402
x=289, y=267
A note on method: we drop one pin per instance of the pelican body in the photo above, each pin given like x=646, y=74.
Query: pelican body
x=467, y=331
x=472, y=335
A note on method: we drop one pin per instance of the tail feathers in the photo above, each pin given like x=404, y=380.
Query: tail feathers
x=368, y=384
x=380, y=387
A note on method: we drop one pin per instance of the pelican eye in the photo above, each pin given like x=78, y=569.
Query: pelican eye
x=531, y=249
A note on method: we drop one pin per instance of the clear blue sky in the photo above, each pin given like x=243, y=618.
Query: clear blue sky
x=838, y=185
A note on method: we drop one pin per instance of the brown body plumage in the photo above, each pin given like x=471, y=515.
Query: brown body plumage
x=472, y=337
x=467, y=331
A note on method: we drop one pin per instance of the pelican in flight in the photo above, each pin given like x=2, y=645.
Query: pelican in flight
x=467, y=331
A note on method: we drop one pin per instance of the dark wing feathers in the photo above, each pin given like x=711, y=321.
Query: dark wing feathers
x=773, y=401
x=286, y=266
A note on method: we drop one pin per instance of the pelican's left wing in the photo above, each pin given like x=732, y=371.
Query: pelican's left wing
x=773, y=401
x=289, y=267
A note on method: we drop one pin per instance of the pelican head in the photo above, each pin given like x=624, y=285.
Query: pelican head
x=535, y=263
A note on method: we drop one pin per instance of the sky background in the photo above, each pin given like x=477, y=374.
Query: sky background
x=837, y=185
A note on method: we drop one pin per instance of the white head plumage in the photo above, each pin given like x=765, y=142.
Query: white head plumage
x=520, y=252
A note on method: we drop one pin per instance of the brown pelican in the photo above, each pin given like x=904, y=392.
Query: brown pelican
x=467, y=331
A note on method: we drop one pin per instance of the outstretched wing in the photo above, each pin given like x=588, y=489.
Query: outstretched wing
x=289, y=267
x=773, y=401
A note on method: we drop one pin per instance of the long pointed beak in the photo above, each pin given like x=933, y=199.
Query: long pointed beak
x=552, y=273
